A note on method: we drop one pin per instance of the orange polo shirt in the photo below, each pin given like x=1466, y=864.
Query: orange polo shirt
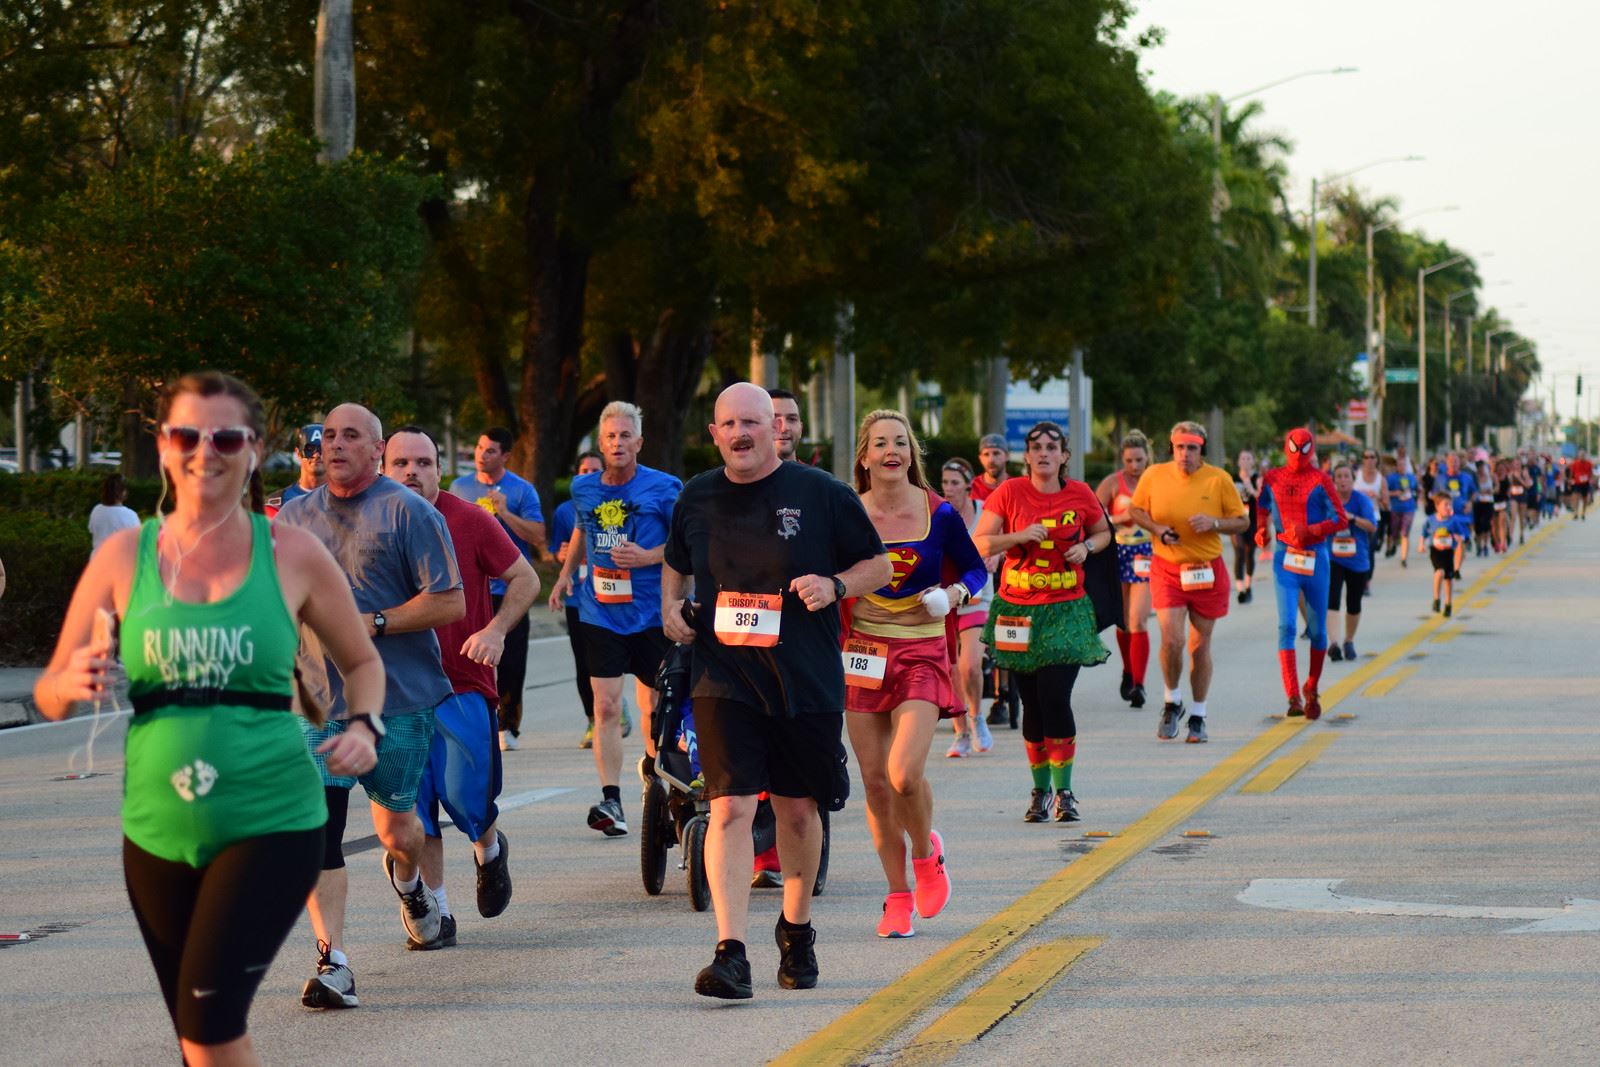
x=1170, y=497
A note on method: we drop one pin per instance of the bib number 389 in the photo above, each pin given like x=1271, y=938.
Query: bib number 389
x=750, y=619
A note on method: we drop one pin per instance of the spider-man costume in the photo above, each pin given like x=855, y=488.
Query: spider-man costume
x=1302, y=501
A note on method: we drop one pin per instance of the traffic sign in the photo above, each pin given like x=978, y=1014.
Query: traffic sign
x=1356, y=410
x=1400, y=375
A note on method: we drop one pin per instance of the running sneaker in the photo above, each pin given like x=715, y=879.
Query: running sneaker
x=896, y=921
x=1296, y=709
x=1313, y=702
x=933, y=879
x=606, y=817
x=1350, y=651
x=728, y=976
x=419, y=909
x=1335, y=653
x=508, y=741
x=446, y=938
x=997, y=714
x=1447, y=611
x=1197, y=731
x=334, y=984
x=494, y=881
x=982, y=739
x=1066, y=806
x=1247, y=596
x=797, y=951
x=1127, y=683
x=1171, y=715
x=1038, y=806
x=960, y=748
x=587, y=740
x=767, y=872
x=1136, y=696
x=627, y=723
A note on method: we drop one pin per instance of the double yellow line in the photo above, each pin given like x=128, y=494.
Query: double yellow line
x=865, y=1029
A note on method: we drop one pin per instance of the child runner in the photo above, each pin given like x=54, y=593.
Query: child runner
x=1445, y=535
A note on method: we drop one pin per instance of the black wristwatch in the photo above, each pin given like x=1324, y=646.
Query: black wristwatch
x=379, y=624
x=838, y=588
x=374, y=723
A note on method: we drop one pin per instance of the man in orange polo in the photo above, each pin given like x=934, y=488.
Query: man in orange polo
x=1188, y=506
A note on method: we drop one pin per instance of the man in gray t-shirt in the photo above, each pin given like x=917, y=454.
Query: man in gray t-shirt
x=395, y=550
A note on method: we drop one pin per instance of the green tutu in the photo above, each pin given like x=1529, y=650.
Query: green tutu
x=1061, y=633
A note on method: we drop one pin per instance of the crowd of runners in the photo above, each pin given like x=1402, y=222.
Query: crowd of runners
x=391, y=614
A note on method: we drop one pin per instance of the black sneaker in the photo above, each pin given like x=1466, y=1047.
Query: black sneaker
x=727, y=978
x=1436, y=605
x=797, y=945
x=606, y=817
x=419, y=909
x=997, y=714
x=1447, y=611
x=1248, y=595
x=494, y=881
x=1197, y=730
x=1171, y=715
x=1335, y=653
x=1066, y=806
x=1136, y=696
x=1127, y=685
x=446, y=938
x=1038, y=806
x=333, y=986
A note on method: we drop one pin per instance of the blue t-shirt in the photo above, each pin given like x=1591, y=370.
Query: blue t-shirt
x=391, y=544
x=1352, y=546
x=640, y=511
x=293, y=491
x=1462, y=486
x=1458, y=527
x=1402, y=493
x=561, y=532
x=521, y=498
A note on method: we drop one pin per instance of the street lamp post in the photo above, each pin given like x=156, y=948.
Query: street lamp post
x=1422, y=348
x=1376, y=363
x=1311, y=280
x=1449, y=371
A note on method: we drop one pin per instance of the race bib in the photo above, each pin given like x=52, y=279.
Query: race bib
x=1499, y=505
x=748, y=619
x=1196, y=577
x=613, y=587
x=865, y=663
x=1443, y=539
x=1344, y=547
x=1141, y=566
x=1011, y=633
x=1404, y=494
x=1294, y=562
x=1516, y=490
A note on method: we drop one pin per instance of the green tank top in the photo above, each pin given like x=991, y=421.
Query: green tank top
x=213, y=755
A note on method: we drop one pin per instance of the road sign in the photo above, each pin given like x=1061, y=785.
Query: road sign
x=1356, y=410
x=1400, y=375
x=928, y=403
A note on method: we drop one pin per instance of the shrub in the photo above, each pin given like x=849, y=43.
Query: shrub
x=70, y=494
x=43, y=557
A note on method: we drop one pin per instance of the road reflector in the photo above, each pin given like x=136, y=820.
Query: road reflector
x=1197, y=833
x=13, y=939
x=1345, y=716
x=1098, y=833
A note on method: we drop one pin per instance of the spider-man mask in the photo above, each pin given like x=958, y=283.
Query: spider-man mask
x=1299, y=448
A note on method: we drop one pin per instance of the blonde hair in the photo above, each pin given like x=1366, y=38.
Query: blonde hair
x=621, y=409
x=914, y=475
x=1135, y=439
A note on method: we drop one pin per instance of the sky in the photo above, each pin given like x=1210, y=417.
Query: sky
x=1499, y=99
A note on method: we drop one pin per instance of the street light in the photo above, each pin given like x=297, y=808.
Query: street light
x=1449, y=371
x=1422, y=347
x=1373, y=415
x=1311, y=286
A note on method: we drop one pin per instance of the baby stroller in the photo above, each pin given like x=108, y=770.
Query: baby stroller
x=675, y=810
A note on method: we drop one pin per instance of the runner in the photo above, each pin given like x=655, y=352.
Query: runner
x=994, y=456
x=1248, y=486
x=397, y=559
x=308, y=454
x=1370, y=483
x=1502, y=505
x=972, y=732
x=561, y=526
x=771, y=548
x=1351, y=550
x=219, y=855
x=1186, y=504
x=1445, y=535
x=1302, y=501
x=1041, y=625
x=1402, y=512
x=791, y=430
x=1115, y=493
x=463, y=771
x=1459, y=483
x=1482, y=509
x=1524, y=493
x=897, y=656
x=513, y=500
x=624, y=514
x=1582, y=475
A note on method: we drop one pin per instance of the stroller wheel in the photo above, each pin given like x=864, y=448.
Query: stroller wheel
x=694, y=850
x=655, y=835
x=822, y=865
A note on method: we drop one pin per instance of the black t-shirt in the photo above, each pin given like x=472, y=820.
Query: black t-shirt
x=755, y=538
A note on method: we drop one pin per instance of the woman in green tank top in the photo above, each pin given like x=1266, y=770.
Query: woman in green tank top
x=222, y=806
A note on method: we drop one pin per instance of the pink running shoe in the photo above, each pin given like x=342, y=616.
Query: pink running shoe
x=933, y=881
x=896, y=921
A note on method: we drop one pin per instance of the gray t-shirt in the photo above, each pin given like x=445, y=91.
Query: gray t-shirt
x=391, y=545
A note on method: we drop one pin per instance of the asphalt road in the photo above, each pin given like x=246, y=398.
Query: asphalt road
x=1451, y=812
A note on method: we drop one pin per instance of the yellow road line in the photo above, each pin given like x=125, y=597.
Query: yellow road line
x=1010, y=992
x=862, y=1030
x=1481, y=605
x=1445, y=636
x=1387, y=684
x=1279, y=771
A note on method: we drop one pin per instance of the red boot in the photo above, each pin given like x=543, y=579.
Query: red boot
x=1313, y=704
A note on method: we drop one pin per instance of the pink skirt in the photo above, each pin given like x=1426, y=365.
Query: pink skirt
x=915, y=668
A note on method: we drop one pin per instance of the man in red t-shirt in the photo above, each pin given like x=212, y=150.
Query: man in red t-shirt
x=463, y=771
x=992, y=458
x=1583, y=483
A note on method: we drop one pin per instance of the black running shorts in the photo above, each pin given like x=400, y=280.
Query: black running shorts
x=743, y=752
x=609, y=654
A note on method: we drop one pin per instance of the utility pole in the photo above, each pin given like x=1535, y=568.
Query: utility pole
x=334, y=107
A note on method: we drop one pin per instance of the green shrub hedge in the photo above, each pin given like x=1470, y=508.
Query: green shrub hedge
x=70, y=494
x=43, y=557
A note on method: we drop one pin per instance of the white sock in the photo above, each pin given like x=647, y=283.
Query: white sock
x=408, y=886
x=444, y=904
x=1198, y=708
x=487, y=853
x=1173, y=696
x=336, y=956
